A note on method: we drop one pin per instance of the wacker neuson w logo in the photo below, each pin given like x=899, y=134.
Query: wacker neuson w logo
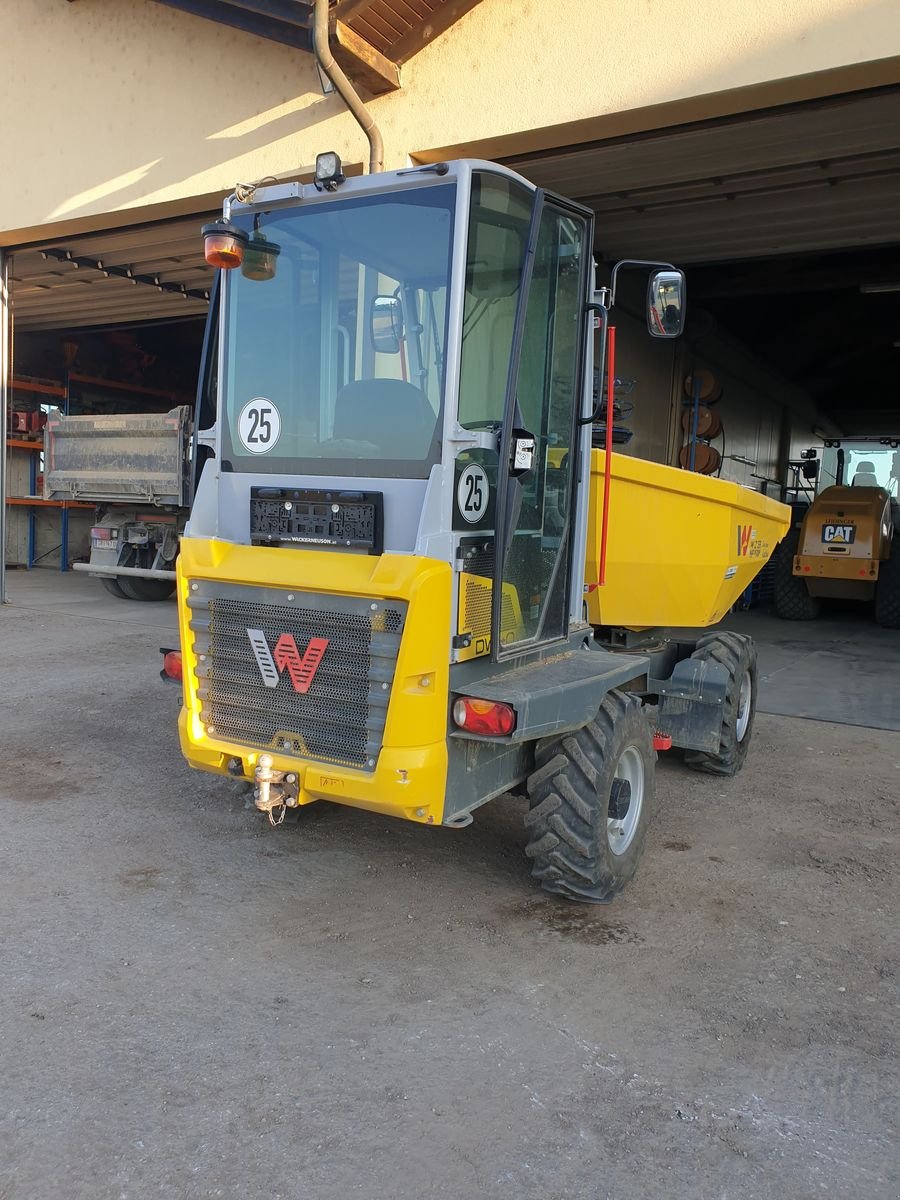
x=286, y=657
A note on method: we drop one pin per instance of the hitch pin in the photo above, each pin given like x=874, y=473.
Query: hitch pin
x=265, y=800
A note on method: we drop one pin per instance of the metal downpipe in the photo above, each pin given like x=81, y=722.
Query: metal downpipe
x=345, y=88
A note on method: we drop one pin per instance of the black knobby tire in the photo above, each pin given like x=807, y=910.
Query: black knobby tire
x=112, y=586
x=136, y=588
x=792, y=599
x=737, y=654
x=887, y=589
x=569, y=802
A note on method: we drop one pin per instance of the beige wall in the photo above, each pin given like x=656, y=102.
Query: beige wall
x=115, y=105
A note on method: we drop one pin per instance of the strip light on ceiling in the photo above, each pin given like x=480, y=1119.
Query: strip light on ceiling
x=874, y=289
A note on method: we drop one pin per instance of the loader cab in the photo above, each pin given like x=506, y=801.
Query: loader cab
x=863, y=462
x=403, y=367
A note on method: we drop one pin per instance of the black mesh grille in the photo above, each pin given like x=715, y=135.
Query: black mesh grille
x=340, y=719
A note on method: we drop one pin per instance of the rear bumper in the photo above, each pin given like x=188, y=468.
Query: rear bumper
x=407, y=782
x=836, y=566
x=409, y=776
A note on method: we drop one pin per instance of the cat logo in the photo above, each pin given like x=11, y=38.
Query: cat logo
x=843, y=535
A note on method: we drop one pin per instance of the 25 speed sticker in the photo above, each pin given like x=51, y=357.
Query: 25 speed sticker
x=472, y=493
x=259, y=425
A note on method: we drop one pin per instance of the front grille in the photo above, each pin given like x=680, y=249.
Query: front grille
x=340, y=716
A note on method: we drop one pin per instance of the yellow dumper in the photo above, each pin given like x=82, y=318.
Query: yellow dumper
x=389, y=587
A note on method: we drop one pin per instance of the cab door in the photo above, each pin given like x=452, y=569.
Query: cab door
x=537, y=477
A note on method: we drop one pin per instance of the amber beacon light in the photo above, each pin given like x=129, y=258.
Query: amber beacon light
x=224, y=245
x=259, y=256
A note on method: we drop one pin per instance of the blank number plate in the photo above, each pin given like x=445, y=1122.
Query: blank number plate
x=316, y=517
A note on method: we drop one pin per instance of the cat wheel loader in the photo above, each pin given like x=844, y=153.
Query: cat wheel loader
x=409, y=582
x=846, y=544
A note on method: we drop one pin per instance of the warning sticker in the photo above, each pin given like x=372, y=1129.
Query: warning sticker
x=259, y=425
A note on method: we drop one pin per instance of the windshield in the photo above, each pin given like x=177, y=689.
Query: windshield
x=336, y=365
x=865, y=464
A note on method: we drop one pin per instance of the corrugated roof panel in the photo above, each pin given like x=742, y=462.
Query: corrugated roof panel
x=49, y=292
x=815, y=176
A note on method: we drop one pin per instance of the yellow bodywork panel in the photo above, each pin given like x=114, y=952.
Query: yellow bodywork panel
x=681, y=547
x=846, y=534
x=474, y=615
x=410, y=776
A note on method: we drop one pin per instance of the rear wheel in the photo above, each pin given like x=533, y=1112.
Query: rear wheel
x=737, y=655
x=792, y=599
x=887, y=589
x=112, y=586
x=591, y=799
x=136, y=588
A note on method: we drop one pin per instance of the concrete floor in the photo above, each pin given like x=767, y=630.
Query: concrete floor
x=197, y=1006
x=840, y=668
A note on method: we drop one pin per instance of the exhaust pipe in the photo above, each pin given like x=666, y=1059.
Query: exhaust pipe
x=345, y=88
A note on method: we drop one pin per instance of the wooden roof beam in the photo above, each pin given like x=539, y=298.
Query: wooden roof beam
x=365, y=65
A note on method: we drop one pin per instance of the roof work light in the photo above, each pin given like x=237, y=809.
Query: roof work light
x=329, y=172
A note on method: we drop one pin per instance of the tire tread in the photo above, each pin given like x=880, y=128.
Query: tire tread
x=567, y=819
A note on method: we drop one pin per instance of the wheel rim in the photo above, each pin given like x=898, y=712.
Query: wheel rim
x=744, y=703
x=620, y=832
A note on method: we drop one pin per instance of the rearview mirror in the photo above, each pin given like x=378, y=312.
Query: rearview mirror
x=665, y=303
x=387, y=324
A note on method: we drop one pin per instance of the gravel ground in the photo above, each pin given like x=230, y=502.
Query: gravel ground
x=197, y=1006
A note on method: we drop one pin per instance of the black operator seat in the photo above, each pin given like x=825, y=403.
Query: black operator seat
x=865, y=475
x=389, y=413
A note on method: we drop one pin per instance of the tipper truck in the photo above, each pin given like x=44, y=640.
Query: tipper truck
x=409, y=582
x=137, y=469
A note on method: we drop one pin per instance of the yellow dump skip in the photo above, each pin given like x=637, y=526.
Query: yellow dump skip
x=682, y=547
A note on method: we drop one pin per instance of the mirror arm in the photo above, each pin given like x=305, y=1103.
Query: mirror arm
x=603, y=313
x=634, y=262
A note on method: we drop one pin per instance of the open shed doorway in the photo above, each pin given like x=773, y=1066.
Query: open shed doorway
x=787, y=222
x=107, y=324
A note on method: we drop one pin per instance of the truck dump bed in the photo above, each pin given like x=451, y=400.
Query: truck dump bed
x=681, y=547
x=141, y=459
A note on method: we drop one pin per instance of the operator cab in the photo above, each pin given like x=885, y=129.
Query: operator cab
x=405, y=363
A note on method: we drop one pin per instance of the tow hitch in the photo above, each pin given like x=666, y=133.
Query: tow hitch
x=275, y=791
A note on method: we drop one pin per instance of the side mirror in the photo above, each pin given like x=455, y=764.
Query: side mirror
x=665, y=303
x=387, y=324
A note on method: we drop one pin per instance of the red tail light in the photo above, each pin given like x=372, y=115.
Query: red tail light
x=172, y=665
x=490, y=717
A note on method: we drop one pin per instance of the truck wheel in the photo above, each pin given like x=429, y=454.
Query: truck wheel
x=887, y=589
x=591, y=802
x=792, y=599
x=136, y=588
x=738, y=655
x=112, y=586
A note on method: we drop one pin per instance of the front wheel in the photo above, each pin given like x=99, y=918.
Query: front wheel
x=591, y=799
x=737, y=655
